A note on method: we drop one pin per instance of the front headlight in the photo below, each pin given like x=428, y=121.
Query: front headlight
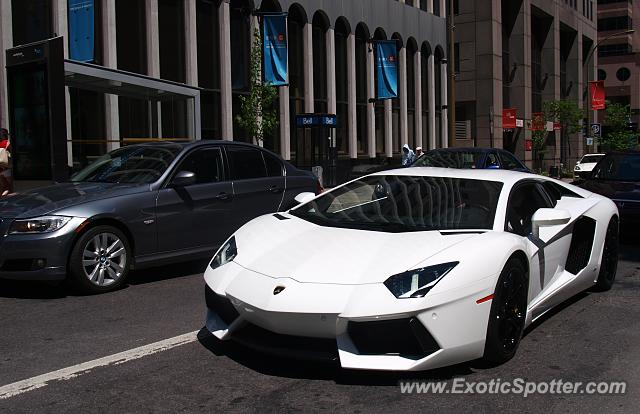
x=45, y=224
x=225, y=254
x=417, y=283
x=577, y=168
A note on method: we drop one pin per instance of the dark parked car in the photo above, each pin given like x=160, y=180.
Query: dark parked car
x=617, y=176
x=142, y=205
x=480, y=158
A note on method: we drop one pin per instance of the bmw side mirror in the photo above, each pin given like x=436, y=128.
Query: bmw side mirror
x=183, y=179
x=548, y=217
x=304, y=197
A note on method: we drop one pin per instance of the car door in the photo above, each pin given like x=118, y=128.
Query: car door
x=196, y=217
x=258, y=182
x=547, y=256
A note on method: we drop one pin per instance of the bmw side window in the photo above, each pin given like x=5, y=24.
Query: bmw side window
x=274, y=166
x=206, y=164
x=246, y=163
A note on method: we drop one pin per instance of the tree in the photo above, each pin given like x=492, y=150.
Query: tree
x=618, y=136
x=257, y=114
x=569, y=115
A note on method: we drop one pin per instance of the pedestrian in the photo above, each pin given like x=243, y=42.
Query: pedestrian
x=419, y=152
x=5, y=163
x=408, y=156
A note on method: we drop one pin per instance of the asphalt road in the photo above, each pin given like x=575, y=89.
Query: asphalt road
x=43, y=328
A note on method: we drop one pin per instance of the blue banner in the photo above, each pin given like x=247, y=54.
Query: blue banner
x=81, y=30
x=386, y=69
x=274, y=47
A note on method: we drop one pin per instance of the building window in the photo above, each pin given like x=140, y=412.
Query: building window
x=320, y=26
x=295, y=23
x=615, y=23
x=602, y=75
x=31, y=21
x=618, y=49
x=424, y=91
x=240, y=33
x=411, y=96
x=209, y=68
x=362, y=96
x=536, y=73
x=342, y=87
x=623, y=74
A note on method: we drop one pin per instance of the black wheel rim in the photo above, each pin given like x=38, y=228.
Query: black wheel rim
x=610, y=254
x=512, y=309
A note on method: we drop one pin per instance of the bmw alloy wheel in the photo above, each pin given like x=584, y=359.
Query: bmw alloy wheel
x=104, y=258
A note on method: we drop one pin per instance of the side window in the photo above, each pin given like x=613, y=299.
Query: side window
x=556, y=191
x=246, y=163
x=491, y=161
x=206, y=164
x=524, y=201
x=509, y=162
x=274, y=165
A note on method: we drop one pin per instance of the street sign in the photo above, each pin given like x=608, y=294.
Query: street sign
x=519, y=123
x=596, y=129
x=589, y=141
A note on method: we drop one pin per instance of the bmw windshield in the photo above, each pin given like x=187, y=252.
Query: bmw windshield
x=449, y=159
x=137, y=164
x=396, y=204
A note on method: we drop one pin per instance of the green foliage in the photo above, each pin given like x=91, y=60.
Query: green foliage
x=570, y=116
x=257, y=114
x=618, y=136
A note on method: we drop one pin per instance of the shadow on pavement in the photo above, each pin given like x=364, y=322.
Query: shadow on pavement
x=20, y=289
x=328, y=370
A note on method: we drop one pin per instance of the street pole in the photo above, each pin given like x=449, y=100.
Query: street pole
x=452, y=78
x=587, y=61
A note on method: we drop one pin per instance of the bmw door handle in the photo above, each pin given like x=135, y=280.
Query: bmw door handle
x=274, y=189
x=224, y=196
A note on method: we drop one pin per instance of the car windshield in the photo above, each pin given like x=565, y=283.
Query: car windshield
x=619, y=167
x=393, y=203
x=134, y=164
x=449, y=159
x=591, y=159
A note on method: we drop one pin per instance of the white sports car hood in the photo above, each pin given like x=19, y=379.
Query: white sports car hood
x=289, y=247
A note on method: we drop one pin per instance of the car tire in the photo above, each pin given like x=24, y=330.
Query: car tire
x=508, y=314
x=99, y=261
x=609, y=262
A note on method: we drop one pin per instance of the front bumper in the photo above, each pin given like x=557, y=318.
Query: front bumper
x=36, y=256
x=322, y=321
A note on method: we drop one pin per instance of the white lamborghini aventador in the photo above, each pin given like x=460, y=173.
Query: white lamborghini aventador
x=411, y=269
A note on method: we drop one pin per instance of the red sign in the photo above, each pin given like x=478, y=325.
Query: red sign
x=597, y=95
x=537, y=123
x=509, y=118
x=557, y=126
x=528, y=145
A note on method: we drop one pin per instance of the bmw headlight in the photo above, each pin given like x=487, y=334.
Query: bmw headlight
x=45, y=224
x=417, y=283
x=225, y=254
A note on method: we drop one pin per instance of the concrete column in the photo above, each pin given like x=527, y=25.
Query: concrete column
x=6, y=42
x=521, y=85
x=351, y=84
x=416, y=3
x=191, y=58
x=443, y=117
x=579, y=149
x=430, y=5
x=110, y=60
x=331, y=73
x=153, y=50
x=285, y=123
x=431, y=86
x=388, y=127
x=371, y=115
x=443, y=8
x=307, y=52
x=226, y=103
x=417, y=65
x=402, y=68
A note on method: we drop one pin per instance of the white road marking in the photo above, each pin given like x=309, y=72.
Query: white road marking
x=19, y=387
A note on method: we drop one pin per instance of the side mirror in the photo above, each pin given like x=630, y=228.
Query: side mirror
x=304, y=197
x=547, y=217
x=183, y=179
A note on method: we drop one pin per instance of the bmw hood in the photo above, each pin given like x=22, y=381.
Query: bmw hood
x=48, y=200
x=284, y=246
